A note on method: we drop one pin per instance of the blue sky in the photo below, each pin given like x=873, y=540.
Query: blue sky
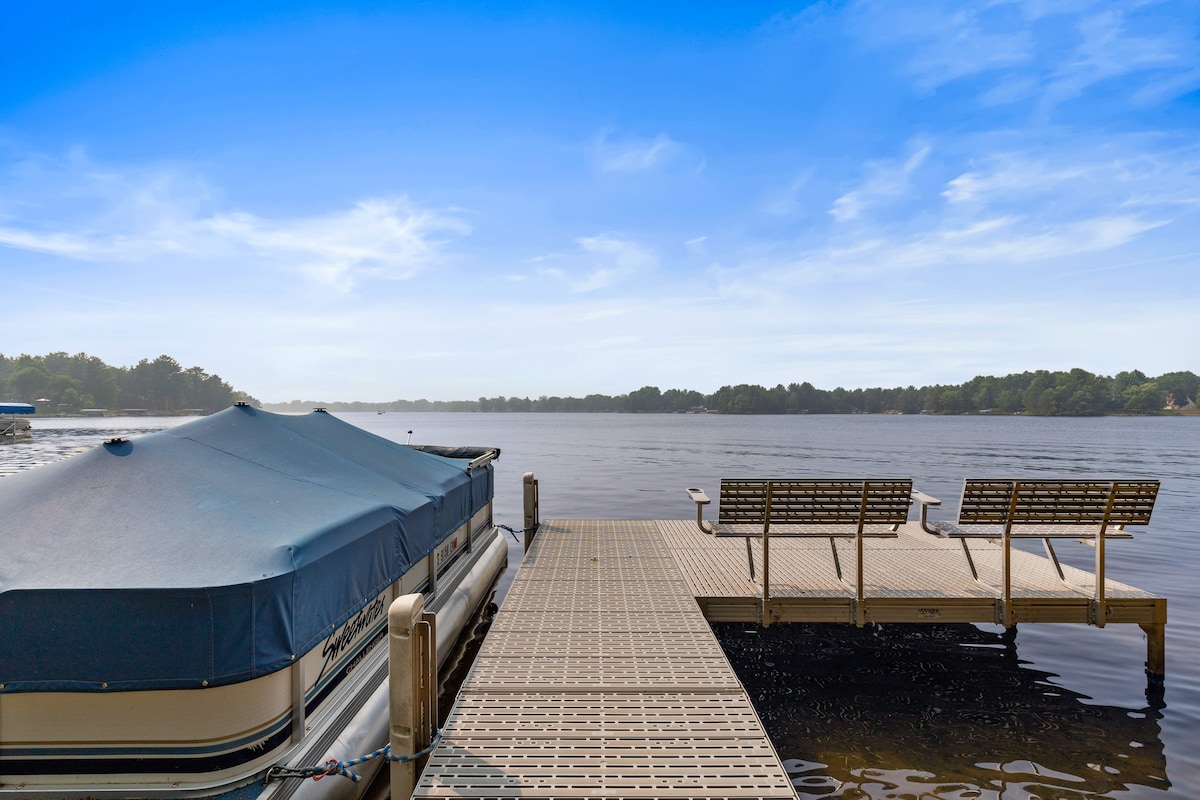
x=372, y=201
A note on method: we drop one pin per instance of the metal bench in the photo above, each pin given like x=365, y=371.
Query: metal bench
x=1091, y=511
x=762, y=508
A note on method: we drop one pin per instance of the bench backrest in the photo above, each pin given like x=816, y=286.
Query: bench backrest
x=1056, y=502
x=815, y=501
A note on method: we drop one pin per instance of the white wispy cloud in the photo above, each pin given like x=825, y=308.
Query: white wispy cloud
x=1118, y=173
x=949, y=40
x=1001, y=243
x=1165, y=62
x=1059, y=206
x=885, y=181
x=788, y=201
x=598, y=262
x=1013, y=242
x=116, y=217
x=377, y=238
x=1009, y=176
x=1048, y=52
x=613, y=154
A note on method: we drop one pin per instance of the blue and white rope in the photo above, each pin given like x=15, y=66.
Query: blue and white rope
x=335, y=767
x=510, y=530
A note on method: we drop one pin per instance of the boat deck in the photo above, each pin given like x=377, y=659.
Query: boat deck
x=600, y=677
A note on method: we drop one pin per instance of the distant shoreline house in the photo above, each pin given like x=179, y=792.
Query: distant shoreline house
x=1177, y=402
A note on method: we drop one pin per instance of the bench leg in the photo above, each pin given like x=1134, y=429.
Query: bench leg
x=837, y=563
x=970, y=561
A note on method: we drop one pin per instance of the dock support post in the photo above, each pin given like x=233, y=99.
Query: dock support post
x=766, y=559
x=412, y=687
x=1007, y=555
x=530, y=485
x=766, y=577
x=1156, y=649
x=860, y=617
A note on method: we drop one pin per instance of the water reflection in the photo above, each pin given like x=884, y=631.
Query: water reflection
x=56, y=438
x=942, y=711
x=51, y=440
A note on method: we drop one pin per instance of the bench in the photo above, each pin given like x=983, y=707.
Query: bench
x=761, y=508
x=1091, y=511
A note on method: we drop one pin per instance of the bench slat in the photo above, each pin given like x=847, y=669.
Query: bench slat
x=1054, y=502
x=1067, y=531
x=801, y=501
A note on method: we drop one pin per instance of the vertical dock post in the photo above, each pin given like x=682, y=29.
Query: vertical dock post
x=1007, y=555
x=531, y=508
x=412, y=687
x=1100, y=607
x=1156, y=649
x=766, y=558
x=860, y=611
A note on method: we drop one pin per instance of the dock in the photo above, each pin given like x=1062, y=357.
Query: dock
x=601, y=678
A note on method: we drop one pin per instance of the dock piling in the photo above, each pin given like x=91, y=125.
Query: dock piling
x=413, y=687
x=530, y=494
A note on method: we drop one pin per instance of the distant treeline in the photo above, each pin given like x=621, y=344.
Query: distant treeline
x=59, y=383
x=1043, y=393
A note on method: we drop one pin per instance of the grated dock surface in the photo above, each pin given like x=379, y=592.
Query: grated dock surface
x=586, y=690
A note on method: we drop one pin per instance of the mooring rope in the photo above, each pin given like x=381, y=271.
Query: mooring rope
x=513, y=532
x=335, y=767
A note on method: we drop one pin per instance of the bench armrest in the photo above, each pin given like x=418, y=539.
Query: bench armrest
x=701, y=500
x=926, y=501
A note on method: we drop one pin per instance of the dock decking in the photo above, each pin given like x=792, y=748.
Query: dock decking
x=582, y=689
x=600, y=677
x=915, y=577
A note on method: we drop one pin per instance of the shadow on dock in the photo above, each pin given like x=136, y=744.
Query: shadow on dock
x=944, y=711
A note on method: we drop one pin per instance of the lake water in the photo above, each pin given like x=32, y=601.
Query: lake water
x=943, y=711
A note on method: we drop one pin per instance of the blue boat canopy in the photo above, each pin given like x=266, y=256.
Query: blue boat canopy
x=17, y=408
x=213, y=552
